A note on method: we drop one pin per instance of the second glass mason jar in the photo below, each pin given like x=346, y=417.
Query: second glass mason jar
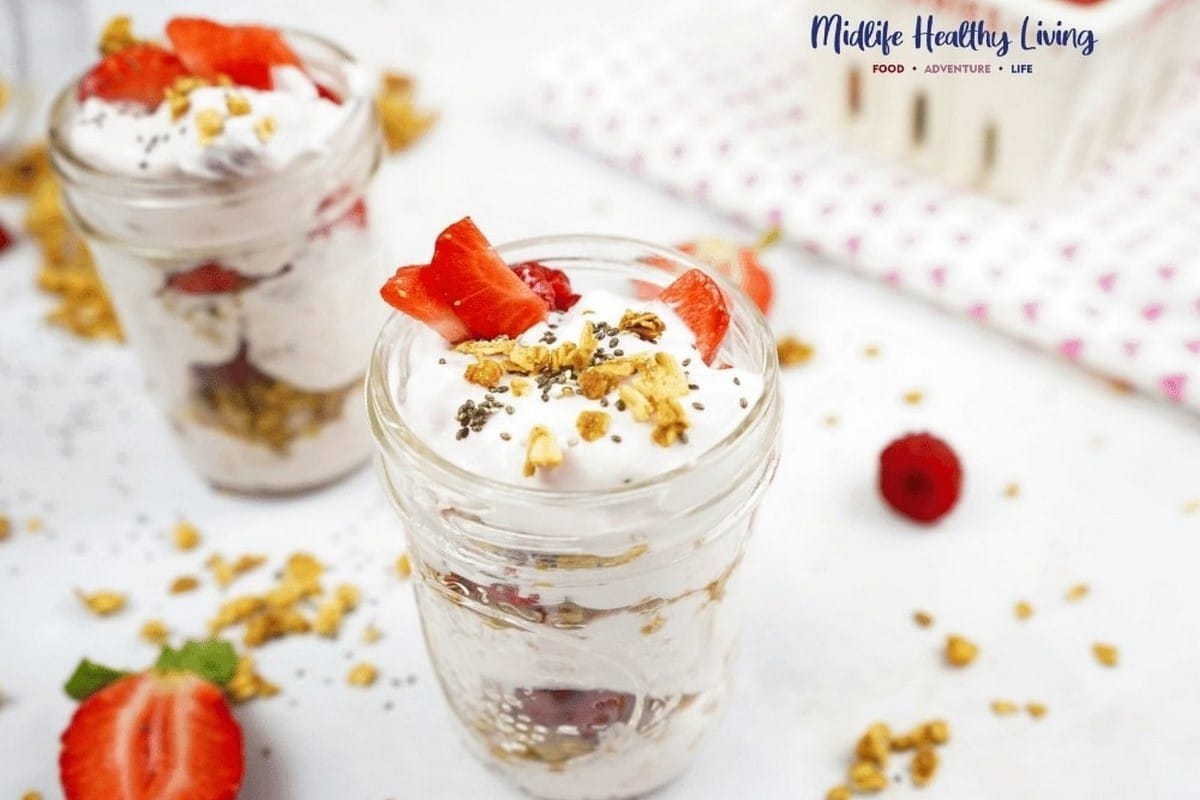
x=584, y=639
x=244, y=296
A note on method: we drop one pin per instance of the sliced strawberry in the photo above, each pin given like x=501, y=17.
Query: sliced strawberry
x=140, y=74
x=356, y=215
x=552, y=285
x=237, y=373
x=5, y=239
x=155, y=736
x=698, y=301
x=325, y=92
x=484, y=293
x=588, y=711
x=409, y=292
x=739, y=264
x=245, y=53
x=208, y=278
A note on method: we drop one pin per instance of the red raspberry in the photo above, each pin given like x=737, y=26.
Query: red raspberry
x=5, y=239
x=920, y=477
x=552, y=285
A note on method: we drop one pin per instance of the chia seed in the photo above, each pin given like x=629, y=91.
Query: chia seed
x=506, y=436
x=620, y=405
x=737, y=381
x=616, y=438
x=441, y=361
x=698, y=406
x=693, y=386
x=687, y=362
x=743, y=402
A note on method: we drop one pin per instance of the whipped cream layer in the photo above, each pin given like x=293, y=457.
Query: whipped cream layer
x=716, y=403
x=125, y=139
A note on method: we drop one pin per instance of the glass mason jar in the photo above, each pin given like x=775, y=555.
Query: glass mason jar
x=584, y=639
x=244, y=297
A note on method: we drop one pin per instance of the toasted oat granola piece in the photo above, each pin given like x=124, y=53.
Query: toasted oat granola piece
x=404, y=566
x=226, y=572
x=635, y=402
x=32, y=795
x=117, y=35
x=184, y=583
x=1106, y=654
x=1002, y=708
x=247, y=684
x=102, y=603
x=1077, y=592
x=209, y=125
x=519, y=387
x=500, y=346
x=839, y=792
x=484, y=372
x=1023, y=610
x=793, y=352
x=543, y=451
x=5, y=527
x=645, y=325
x=274, y=623
x=959, y=651
x=1036, y=710
x=154, y=631
x=185, y=535
x=913, y=397
x=592, y=425
x=923, y=618
x=237, y=104
x=924, y=765
x=265, y=128
x=362, y=675
x=867, y=777
x=402, y=122
x=371, y=634
x=1012, y=490
x=875, y=745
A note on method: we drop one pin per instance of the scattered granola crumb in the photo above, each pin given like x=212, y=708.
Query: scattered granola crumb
x=924, y=765
x=831, y=420
x=871, y=350
x=959, y=651
x=328, y=620
x=1191, y=507
x=32, y=795
x=237, y=104
x=484, y=372
x=1002, y=708
x=519, y=386
x=543, y=451
x=1023, y=610
x=866, y=777
x=1077, y=592
x=226, y=572
x=875, y=745
x=184, y=583
x=209, y=125
x=102, y=603
x=1012, y=491
x=1106, y=654
x=155, y=631
x=402, y=122
x=117, y=35
x=186, y=536
x=404, y=566
x=362, y=675
x=1036, y=710
x=839, y=792
x=35, y=524
x=913, y=397
x=592, y=425
x=247, y=684
x=5, y=527
x=793, y=352
x=371, y=634
x=265, y=128
x=923, y=618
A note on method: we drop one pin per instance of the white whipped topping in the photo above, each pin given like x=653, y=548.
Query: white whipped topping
x=127, y=140
x=435, y=391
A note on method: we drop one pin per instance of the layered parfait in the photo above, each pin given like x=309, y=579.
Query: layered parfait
x=221, y=178
x=576, y=439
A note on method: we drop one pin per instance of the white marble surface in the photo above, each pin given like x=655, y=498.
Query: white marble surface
x=833, y=577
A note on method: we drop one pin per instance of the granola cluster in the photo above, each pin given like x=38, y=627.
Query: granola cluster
x=67, y=270
x=403, y=123
x=867, y=773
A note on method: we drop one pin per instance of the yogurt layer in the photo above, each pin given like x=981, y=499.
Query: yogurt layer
x=433, y=398
x=127, y=140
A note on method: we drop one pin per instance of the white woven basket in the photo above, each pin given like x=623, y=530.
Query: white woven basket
x=1016, y=136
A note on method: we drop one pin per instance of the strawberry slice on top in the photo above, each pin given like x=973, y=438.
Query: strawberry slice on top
x=699, y=302
x=245, y=53
x=483, y=292
x=740, y=264
x=409, y=292
x=140, y=74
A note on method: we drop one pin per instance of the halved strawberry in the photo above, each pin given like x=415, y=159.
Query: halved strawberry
x=698, y=301
x=552, y=285
x=245, y=53
x=139, y=74
x=739, y=264
x=154, y=736
x=483, y=292
x=208, y=278
x=409, y=292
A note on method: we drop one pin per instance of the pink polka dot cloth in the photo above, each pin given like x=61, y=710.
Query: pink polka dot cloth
x=711, y=107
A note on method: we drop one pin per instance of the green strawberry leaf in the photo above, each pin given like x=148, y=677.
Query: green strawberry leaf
x=90, y=677
x=213, y=660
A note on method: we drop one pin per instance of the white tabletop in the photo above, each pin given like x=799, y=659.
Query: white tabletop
x=833, y=577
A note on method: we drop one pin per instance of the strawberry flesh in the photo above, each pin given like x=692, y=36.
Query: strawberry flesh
x=5, y=239
x=588, y=711
x=208, y=278
x=739, y=264
x=244, y=53
x=153, y=737
x=698, y=301
x=140, y=74
x=483, y=292
x=552, y=285
x=409, y=291
x=237, y=373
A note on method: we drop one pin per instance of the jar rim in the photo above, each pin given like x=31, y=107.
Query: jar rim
x=71, y=166
x=392, y=432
